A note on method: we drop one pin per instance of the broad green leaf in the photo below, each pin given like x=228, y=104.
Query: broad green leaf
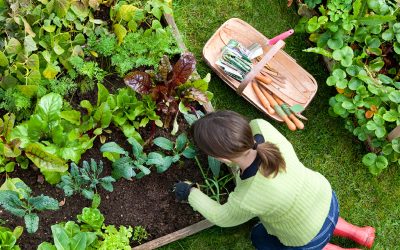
x=164, y=143
x=396, y=145
x=61, y=7
x=49, y=107
x=33, y=62
x=396, y=47
x=120, y=32
x=391, y=115
x=60, y=237
x=43, y=202
x=13, y=46
x=143, y=169
x=79, y=241
x=87, y=105
x=130, y=132
x=79, y=39
x=102, y=94
x=123, y=168
x=44, y=160
x=380, y=132
x=51, y=71
x=189, y=153
x=58, y=49
x=369, y=159
x=103, y=115
x=381, y=162
x=46, y=246
x=72, y=116
x=29, y=44
x=180, y=142
x=31, y=222
x=3, y=59
x=154, y=158
x=394, y=96
x=80, y=9
x=126, y=12
x=113, y=148
x=388, y=35
x=214, y=165
x=137, y=149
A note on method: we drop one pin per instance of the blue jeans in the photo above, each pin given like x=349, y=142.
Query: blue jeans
x=263, y=241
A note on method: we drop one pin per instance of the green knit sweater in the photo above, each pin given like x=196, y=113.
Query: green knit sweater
x=292, y=206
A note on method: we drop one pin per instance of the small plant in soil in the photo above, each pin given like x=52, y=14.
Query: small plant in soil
x=85, y=180
x=16, y=198
x=140, y=234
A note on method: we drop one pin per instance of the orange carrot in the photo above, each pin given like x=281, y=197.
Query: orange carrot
x=262, y=98
x=279, y=110
x=296, y=121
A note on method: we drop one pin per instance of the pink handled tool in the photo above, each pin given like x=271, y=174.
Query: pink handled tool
x=282, y=36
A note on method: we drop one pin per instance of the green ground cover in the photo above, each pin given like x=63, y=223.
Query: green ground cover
x=324, y=145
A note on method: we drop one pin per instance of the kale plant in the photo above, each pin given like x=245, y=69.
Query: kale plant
x=85, y=180
x=17, y=199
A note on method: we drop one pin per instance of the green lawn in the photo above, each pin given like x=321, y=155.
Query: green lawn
x=324, y=145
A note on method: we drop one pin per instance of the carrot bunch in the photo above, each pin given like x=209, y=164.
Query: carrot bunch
x=273, y=104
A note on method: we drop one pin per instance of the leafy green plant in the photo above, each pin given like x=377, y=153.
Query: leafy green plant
x=69, y=236
x=114, y=238
x=24, y=207
x=85, y=179
x=49, y=140
x=125, y=166
x=122, y=109
x=140, y=234
x=10, y=153
x=144, y=48
x=361, y=37
x=174, y=151
x=170, y=86
x=215, y=186
x=8, y=238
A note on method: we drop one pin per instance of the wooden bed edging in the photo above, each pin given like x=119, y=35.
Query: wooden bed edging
x=180, y=234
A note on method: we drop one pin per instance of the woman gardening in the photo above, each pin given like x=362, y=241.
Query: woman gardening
x=296, y=205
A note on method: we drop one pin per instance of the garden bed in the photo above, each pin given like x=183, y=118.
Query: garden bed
x=147, y=202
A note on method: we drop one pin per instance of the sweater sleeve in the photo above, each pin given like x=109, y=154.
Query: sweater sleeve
x=227, y=215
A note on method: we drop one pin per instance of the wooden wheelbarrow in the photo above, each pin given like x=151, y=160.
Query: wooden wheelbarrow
x=299, y=86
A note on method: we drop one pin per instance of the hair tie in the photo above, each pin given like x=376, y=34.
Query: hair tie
x=255, y=145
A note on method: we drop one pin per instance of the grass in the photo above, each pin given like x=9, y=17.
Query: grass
x=324, y=145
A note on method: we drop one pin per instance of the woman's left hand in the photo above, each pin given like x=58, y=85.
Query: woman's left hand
x=182, y=190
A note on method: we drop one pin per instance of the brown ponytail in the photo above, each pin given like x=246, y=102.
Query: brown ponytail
x=226, y=134
x=271, y=157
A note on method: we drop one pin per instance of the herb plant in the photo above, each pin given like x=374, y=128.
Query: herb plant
x=21, y=203
x=85, y=179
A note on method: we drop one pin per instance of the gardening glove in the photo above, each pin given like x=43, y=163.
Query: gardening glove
x=182, y=190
